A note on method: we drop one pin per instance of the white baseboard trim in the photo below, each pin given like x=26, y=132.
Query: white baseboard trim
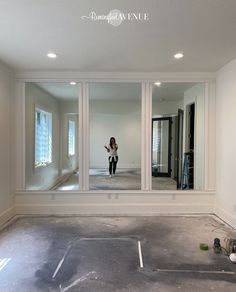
x=112, y=210
x=226, y=216
x=113, y=203
x=7, y=215
x=117, y=203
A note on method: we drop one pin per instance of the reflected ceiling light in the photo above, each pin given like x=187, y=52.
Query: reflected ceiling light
x=178, y=55
x=158, y=83
x=52, y=55
x=73, y=83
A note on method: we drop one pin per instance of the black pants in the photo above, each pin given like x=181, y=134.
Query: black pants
x=112, y=164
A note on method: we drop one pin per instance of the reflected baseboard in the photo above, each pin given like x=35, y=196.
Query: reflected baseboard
x=6, y=216
x=62, y=179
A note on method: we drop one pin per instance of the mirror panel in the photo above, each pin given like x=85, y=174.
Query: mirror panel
x=52, y=136
x=51, y=124
x=115, y=111
x=178, y=127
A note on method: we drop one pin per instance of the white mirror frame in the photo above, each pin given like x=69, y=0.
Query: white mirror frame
x=147, y=80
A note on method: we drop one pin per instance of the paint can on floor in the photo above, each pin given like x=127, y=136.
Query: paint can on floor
x=203, y=246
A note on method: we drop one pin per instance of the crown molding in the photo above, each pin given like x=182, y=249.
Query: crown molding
x=64, y=76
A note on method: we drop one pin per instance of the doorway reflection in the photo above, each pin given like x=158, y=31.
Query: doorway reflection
x=161, y=147
x=178, y=114
x=51, y=121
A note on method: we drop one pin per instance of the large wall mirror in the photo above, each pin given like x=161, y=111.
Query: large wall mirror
x=51, y=127
x=52, y=136
x=115, y=111
x=178, y=133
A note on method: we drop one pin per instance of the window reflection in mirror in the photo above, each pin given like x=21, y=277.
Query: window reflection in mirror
x=51, y=123
x=115, y=111
x=178, y=136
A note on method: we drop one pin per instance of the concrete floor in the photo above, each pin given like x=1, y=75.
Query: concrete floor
x=101, y=254
x=125, y=179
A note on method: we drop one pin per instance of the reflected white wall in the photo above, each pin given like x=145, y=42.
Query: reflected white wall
x=121, y=119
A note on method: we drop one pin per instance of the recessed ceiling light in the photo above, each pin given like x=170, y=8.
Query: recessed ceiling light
x=52, y=55
x=178, y=55
x=72, y=83
x=158, y=83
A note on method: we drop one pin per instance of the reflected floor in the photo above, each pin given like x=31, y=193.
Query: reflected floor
x=125, y=179
x=163, y=183
x=71, y=184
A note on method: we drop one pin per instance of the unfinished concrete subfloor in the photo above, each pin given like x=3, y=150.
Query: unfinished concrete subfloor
x=101, y=254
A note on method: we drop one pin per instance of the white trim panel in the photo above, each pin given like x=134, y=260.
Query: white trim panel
x=20, y=135
x=119, y=76
x=210, y=137
x=113, y=203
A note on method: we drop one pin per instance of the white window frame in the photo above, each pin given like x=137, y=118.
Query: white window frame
x=71, y=139
x=43, y=162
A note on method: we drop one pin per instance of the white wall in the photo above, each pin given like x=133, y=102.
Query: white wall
x=225, y=204
x=6, y=144
x=121, y=119
x=196, y=95
x=42, y=177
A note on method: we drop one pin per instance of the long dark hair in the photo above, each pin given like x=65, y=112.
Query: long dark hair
x=112, y=138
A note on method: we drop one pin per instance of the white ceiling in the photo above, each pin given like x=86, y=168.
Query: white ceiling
x=116, y=91
x=170, y=91
x=97, y=91
x=60, y=90
x=204, y=29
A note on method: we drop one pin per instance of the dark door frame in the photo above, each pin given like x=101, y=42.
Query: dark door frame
x=164, y=174
x=179, y=152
